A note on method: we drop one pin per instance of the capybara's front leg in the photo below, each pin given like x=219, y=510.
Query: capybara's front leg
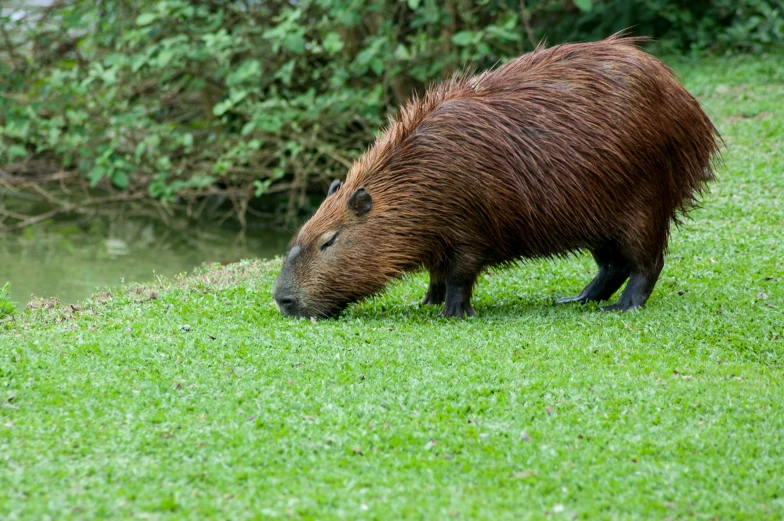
x=458, y=296
x=436, y=291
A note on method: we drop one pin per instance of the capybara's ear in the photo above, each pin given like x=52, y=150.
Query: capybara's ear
x=333, y=187
x=360, y=202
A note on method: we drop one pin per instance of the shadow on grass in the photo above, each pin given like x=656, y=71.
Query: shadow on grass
x=383, y=308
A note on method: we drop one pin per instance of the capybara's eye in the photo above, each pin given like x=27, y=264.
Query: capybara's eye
x=330, y=242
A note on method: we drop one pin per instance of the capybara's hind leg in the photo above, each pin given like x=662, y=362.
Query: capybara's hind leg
x=639, y=288
x=613, y=271
x=436, y=291
x=459, y=287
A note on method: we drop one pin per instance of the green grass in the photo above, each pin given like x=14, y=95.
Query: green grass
x=114, y=409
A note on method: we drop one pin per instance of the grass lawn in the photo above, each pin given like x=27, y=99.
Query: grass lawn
x=196, y=399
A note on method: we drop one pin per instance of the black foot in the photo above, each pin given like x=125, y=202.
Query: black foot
x=458, y=296
x=436, y=293
x=457, y=311
x=618, y=306
x=613, y=272
x=637, y=291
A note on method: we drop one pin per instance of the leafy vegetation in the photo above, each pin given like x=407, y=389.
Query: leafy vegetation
x=196, y=399
x=7, y=307
x=175, y=100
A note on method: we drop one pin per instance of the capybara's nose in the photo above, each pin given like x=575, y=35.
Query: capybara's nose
x=286, y=303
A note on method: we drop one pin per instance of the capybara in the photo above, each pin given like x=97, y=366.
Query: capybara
x=580, y=146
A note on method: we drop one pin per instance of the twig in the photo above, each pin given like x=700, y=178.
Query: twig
x=7, y=185
x=342, y=160
x=525, y=14
x=25, y=181
x=225, y=217
x=49, y=198
x=13, y=215
x=64, y=189
x=162, y=212
x=10, y=47
x=51, y=213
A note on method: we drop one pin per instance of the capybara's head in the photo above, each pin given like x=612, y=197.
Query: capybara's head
x=334, y=258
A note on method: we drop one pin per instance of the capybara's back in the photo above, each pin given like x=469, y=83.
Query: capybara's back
x=582, y=146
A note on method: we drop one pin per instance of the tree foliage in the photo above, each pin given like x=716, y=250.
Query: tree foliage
x=174, y=100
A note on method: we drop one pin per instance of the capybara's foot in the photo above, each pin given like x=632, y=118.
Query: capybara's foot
x=637, y=290
x=613, y=272
x=458, y=296
x=436, y=293
x=457, y=310
x=619, y=306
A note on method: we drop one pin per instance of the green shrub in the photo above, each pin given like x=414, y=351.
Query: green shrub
x=747, y=25
x=179, y=99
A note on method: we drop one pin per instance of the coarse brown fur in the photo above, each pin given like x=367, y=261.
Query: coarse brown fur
x=580, y=146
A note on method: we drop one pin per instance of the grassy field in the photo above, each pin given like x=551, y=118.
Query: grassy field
x=195, y=399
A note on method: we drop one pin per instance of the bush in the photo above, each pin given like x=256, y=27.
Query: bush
x=175, y=100
x=718, y=25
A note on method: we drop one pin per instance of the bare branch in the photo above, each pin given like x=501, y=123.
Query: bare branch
x=525, y=14
x=27, y=221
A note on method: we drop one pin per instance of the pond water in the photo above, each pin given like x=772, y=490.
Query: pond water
x=70, y=261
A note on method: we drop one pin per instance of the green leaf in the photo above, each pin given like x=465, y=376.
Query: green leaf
x=261, y=186
x=53, y=135
x=249, y=69
x=120, y=180
x=413, y=4
x=96, y=174
x=146, y=18
x=115, y=59
x=17, y=151
x=222, y=107
x=501, y=33
x=584, y=5
x=294, y=42
x=463, y=38
x=332, y=43
x=109, y=76
x=377, y=64
x=164, y=57
x=201, y=181
x=268, y=123
x=138, y=61
x=247, y=128
x=187, y=140
x=237, y=95
x=285, y=72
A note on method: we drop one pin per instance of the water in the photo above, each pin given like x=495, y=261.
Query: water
x=65, y=260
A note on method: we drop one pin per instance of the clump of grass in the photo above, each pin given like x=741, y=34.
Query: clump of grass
x=7, y=306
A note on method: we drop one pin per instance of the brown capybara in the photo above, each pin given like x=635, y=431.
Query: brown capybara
x=581, y=146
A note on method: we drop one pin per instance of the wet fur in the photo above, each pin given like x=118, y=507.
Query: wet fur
x=580, y=146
